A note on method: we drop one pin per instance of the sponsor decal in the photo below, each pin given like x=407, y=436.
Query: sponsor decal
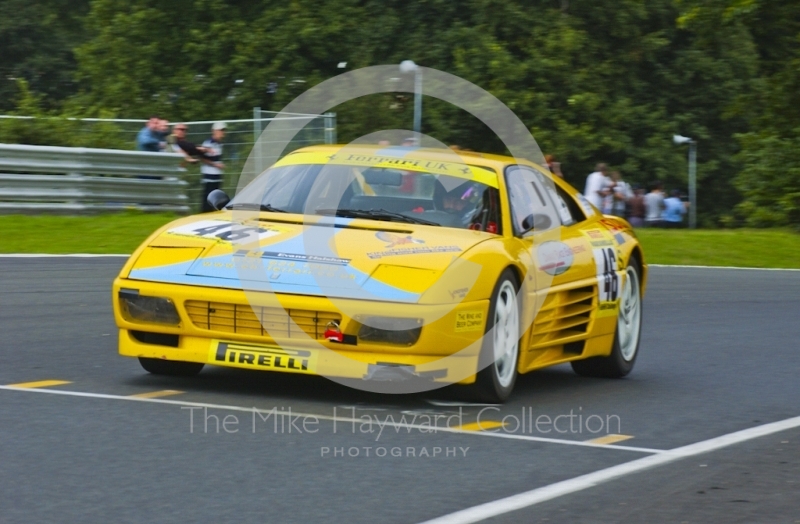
x=393, y=240
x=262, y=357
x=476, y=173
x=578, y=249
x=598, y=237
x=555, y=258
x=616, y=229
x=469, y=321
x=608, y=281
x=459, y=293
x=414, y=251
x=612, y=225
x=223, y=230
x=275, y=268
x=295, y=257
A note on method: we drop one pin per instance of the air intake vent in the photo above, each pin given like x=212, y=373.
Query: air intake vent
x=269, y=322
x=563, y=318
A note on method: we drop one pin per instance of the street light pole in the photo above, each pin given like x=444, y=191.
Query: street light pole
x=692, y=184
x=408, y=66
x=418, y=101
x=680, y=140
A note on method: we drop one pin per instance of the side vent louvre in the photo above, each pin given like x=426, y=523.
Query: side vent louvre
x=563, y=318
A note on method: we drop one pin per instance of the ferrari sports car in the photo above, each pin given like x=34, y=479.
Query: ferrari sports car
x=389, y=265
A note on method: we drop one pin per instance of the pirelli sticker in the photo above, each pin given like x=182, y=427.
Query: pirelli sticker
x=469, y=321
x=262, y=357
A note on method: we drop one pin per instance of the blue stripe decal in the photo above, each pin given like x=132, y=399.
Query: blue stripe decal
x=335, y=280
x=223, y=274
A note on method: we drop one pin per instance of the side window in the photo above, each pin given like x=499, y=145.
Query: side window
x=568, y=209
x=529, y=200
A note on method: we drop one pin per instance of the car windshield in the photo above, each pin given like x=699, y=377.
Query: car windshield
x=378, y=193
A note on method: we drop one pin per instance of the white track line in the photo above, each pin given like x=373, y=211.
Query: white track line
x=535, y=496
x=726, y=267
x=48, y=255
x=399, y=425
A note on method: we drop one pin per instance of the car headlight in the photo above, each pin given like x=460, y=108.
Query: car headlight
x=389, y=330
x=138, y=308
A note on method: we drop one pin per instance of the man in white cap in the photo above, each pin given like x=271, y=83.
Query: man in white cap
x=211, y=170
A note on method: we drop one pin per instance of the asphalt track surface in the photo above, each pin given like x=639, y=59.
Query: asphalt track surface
x=719, y=354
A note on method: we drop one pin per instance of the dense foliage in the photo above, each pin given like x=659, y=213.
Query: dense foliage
x=594, y=81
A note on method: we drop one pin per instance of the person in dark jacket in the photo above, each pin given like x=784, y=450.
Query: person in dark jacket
x=211, y=171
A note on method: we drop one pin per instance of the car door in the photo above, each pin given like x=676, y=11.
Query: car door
x=562, y=301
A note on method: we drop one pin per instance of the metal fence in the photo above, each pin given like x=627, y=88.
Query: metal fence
x=46, y=179
x=239, y=140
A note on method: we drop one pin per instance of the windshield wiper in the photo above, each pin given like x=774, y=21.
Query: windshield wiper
x=260, y=207
x=376, y=214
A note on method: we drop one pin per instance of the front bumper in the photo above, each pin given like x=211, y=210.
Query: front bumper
x=446, y=351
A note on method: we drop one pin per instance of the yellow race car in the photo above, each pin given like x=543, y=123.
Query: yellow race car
x=403, y=268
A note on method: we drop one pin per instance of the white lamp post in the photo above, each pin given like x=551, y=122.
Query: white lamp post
x=680, y=140
x=408, y=66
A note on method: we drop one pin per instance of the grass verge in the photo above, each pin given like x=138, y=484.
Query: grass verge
x=770, y=248
x=123, y=232
x=99, y=234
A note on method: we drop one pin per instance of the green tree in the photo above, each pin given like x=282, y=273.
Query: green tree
x=36, y=44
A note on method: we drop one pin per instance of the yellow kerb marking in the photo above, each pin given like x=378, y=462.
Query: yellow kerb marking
x=610, y=439
x=480, y=426
x=157, y=394
x=40, y=384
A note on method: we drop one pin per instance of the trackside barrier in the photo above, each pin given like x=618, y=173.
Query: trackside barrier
x=71, y=180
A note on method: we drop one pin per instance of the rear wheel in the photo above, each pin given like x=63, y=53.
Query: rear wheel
x=626, y=339
x=500, y=353
x=175, y=368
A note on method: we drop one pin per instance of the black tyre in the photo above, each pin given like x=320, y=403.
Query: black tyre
x=174, y=368
x=500, y=353
x=627, y=336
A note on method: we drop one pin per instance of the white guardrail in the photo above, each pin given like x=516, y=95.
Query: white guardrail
x=44, y=179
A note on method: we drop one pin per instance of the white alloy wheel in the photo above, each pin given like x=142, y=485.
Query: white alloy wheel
x=506, y=334
x=630, y=315
x=625, y=347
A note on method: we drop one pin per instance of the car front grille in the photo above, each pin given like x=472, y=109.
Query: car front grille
x=272, y=322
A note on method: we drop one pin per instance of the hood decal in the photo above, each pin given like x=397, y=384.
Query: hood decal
x=255, y=274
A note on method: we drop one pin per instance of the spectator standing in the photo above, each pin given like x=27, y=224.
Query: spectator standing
x=553, y=166
x=149, y=137
x=637, y=208
x=163, y=132
x=597, y=186
x=620, y=195
x=211, y=171
x=654, y=205
x=181, y=145
x=674, y=209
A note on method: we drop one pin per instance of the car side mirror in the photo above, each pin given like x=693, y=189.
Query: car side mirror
x=536, y=221
x=218, y=199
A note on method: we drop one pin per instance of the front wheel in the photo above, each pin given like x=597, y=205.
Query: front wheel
x=626, y=339
x=158, y=366
x=500, y=352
